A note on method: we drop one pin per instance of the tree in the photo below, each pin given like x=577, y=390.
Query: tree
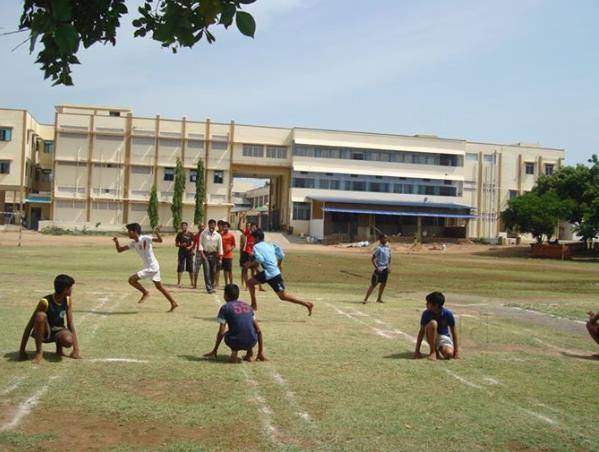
x=178, y=192
x=198, y=214
x=153, y=208
x=63, y=26
x=536, y=214
x=580, y=186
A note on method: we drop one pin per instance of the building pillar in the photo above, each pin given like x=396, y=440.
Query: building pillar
x=127, y=168
x=90, y=153
x=419, y=229
x=479, y=195
x=2, y=205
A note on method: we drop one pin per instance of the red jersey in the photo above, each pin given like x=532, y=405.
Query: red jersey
x=228, y=245
x=250, y=241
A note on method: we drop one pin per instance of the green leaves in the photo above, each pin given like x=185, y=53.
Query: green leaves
x=66, y=38
x=178, y=192
x=245, y=23
x=153, y=208
x=198, y=213
x=61, y=26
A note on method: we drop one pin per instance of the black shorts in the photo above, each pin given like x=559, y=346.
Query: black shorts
x=277, y=283
x=184, y=262
x=379, y=277
x=237, y=345
x=244, y=258
x=51, y=333
x=227, y=265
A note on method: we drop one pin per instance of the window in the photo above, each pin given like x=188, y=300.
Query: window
x=48, y=147
x=301, y=211
x=141, y=170
x=472, y=157
x=114, y=113
x=490, y=158
x=512, y=194
x=549, y=169
x=357, y=156
x=193, y=175
x=529, y=168
x=253, y=150
x=5, y=134
x=276, y=152
x=169, y=174
x=219, y=145
x=359, y=185
x=301, y=182
x=218, y=177
x=4, y=166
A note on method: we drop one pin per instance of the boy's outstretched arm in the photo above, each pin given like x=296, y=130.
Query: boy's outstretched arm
x=454, y=335
x=157, y=237
x=260, y=356
x=417, y=353
x=219, y=337
x=119, y=248
x=75, y=354
x=27, y=333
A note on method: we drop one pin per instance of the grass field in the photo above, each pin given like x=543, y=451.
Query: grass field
x=342, y=379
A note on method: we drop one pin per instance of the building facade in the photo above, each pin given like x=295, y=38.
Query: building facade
x=95, y=166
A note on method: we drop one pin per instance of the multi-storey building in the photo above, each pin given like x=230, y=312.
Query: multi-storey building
x=102, y=163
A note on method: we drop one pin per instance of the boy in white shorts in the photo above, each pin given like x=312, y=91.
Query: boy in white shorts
x=143, y=245
x=436, y=325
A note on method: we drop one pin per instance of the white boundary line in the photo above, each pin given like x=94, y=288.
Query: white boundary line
x=290, y=396
x=116, y=360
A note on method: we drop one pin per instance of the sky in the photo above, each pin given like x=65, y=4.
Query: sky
x=501, y=71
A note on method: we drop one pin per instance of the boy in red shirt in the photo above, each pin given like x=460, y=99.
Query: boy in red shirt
x=228, y=247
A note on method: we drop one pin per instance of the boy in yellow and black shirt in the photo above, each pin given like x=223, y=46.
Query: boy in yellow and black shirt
x=47, y=324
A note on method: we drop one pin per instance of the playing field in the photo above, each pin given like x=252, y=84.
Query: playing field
x=343, y=379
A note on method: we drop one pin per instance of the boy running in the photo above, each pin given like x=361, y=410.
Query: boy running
x=243, y=330
x=435, y=324
x=270, y=256
x=381, y=260
x=143, y=245
x=184, y=242
x=47, y=322
x=228, y=246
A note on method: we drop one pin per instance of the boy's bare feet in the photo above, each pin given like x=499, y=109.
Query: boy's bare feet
x=23, y=356
x=379, y=301
x=234, y=360
x=310, y=307
x=144, y=297
x=248, y=357
x=432, y=357
x=173, y=307
x=365, y=301
x=210, y=355
x=37, y=358
x=261, y=357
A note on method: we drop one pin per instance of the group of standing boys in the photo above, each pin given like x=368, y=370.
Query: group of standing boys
x=211, y=250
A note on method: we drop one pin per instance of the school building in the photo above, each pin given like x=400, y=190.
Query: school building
x=95, y=167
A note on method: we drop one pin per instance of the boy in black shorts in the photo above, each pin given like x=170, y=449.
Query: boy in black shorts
x=243, y=331
x=381, y=260
x=47, y=324
x=184, y=242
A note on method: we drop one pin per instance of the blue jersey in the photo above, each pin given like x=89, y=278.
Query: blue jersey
x=239, y=317
x=382, y=256
x=268, y=256
x=444, y=320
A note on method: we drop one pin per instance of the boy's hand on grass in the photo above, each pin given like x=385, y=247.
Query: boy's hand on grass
x=261, y=357
x=210, y=355
x=456, y=355
x=75, y=355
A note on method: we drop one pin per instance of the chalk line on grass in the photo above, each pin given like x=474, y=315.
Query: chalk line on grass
x=117, y=360
x=290, y=396
x=14, y=384
x=462, y=379
x=264, y=410
x=30, y=403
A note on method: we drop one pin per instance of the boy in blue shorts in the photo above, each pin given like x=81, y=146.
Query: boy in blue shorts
x=269, y=256
x=238, y=328
x=436, y=324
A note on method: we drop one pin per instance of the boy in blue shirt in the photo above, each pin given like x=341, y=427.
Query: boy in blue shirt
x=381, y=259
x=243, y=331
x=436, y=323
x=270, y=256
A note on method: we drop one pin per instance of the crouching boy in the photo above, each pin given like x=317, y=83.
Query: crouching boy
x=436, y=324
x=243, y=331
x=47, y=324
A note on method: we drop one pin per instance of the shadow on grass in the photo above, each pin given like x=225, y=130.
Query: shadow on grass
x=47, y=356
x=586, y=357
x=402, y=355
x=220, y=359
x=509, y=252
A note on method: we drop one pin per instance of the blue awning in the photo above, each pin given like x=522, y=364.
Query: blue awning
x=398, y=213
x=38, y=199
